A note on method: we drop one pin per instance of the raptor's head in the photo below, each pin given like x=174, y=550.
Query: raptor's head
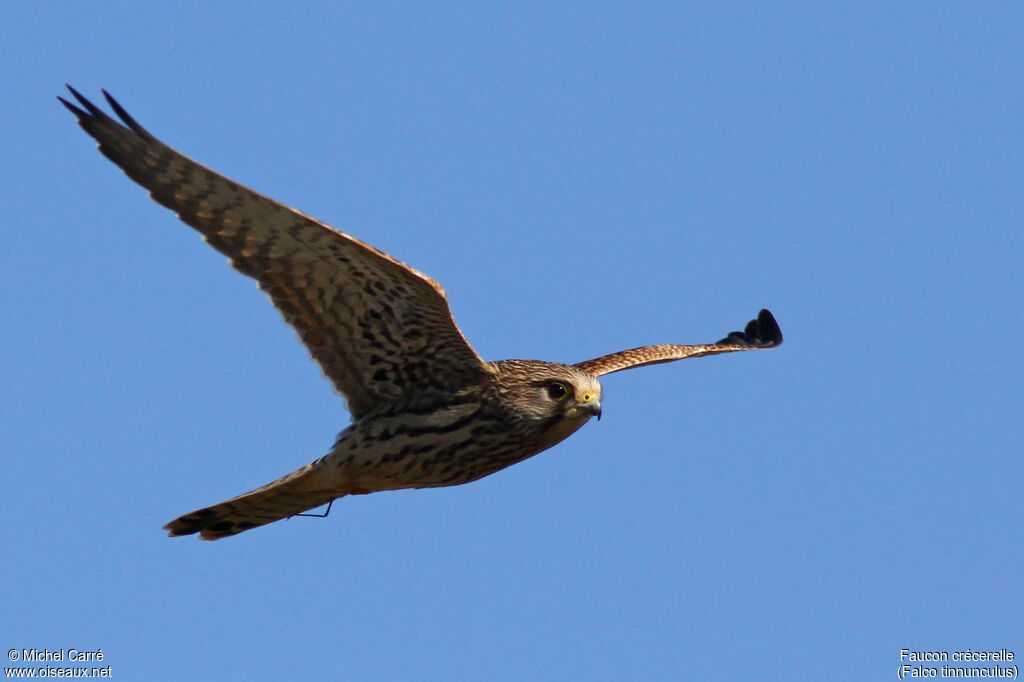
x=552, y=398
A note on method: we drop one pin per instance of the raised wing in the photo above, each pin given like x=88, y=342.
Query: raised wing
x=381, y=331
x=761, y=333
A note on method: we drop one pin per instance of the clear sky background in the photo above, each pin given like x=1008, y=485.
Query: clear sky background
x=582, y=178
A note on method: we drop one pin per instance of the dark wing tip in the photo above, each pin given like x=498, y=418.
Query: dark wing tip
x=72, y=108
x=91, y=111
x=89, y=106
x=765, y=329
x=178, y=527
x=124, y=116
x=763, y=332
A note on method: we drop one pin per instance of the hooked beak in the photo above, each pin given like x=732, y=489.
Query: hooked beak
x=592, y=406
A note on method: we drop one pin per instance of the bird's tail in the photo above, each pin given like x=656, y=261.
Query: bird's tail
x=299, y=491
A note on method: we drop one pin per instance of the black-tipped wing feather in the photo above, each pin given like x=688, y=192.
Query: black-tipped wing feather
x=759, y=334
x=380, y=330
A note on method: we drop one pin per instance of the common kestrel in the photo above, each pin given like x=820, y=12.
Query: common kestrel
x=426, y=410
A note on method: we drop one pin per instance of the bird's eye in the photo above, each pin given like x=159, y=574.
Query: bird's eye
x=557, y=390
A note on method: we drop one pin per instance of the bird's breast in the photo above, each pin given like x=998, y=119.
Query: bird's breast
x=450, y=446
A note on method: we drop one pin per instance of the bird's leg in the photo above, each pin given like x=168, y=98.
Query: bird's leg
x=318, y=516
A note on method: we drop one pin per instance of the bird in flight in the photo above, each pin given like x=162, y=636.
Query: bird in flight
x=427, y=411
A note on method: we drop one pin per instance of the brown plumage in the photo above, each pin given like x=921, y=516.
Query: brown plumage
x=427, y=410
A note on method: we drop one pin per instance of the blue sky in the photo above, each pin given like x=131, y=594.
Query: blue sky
x=581, y=177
